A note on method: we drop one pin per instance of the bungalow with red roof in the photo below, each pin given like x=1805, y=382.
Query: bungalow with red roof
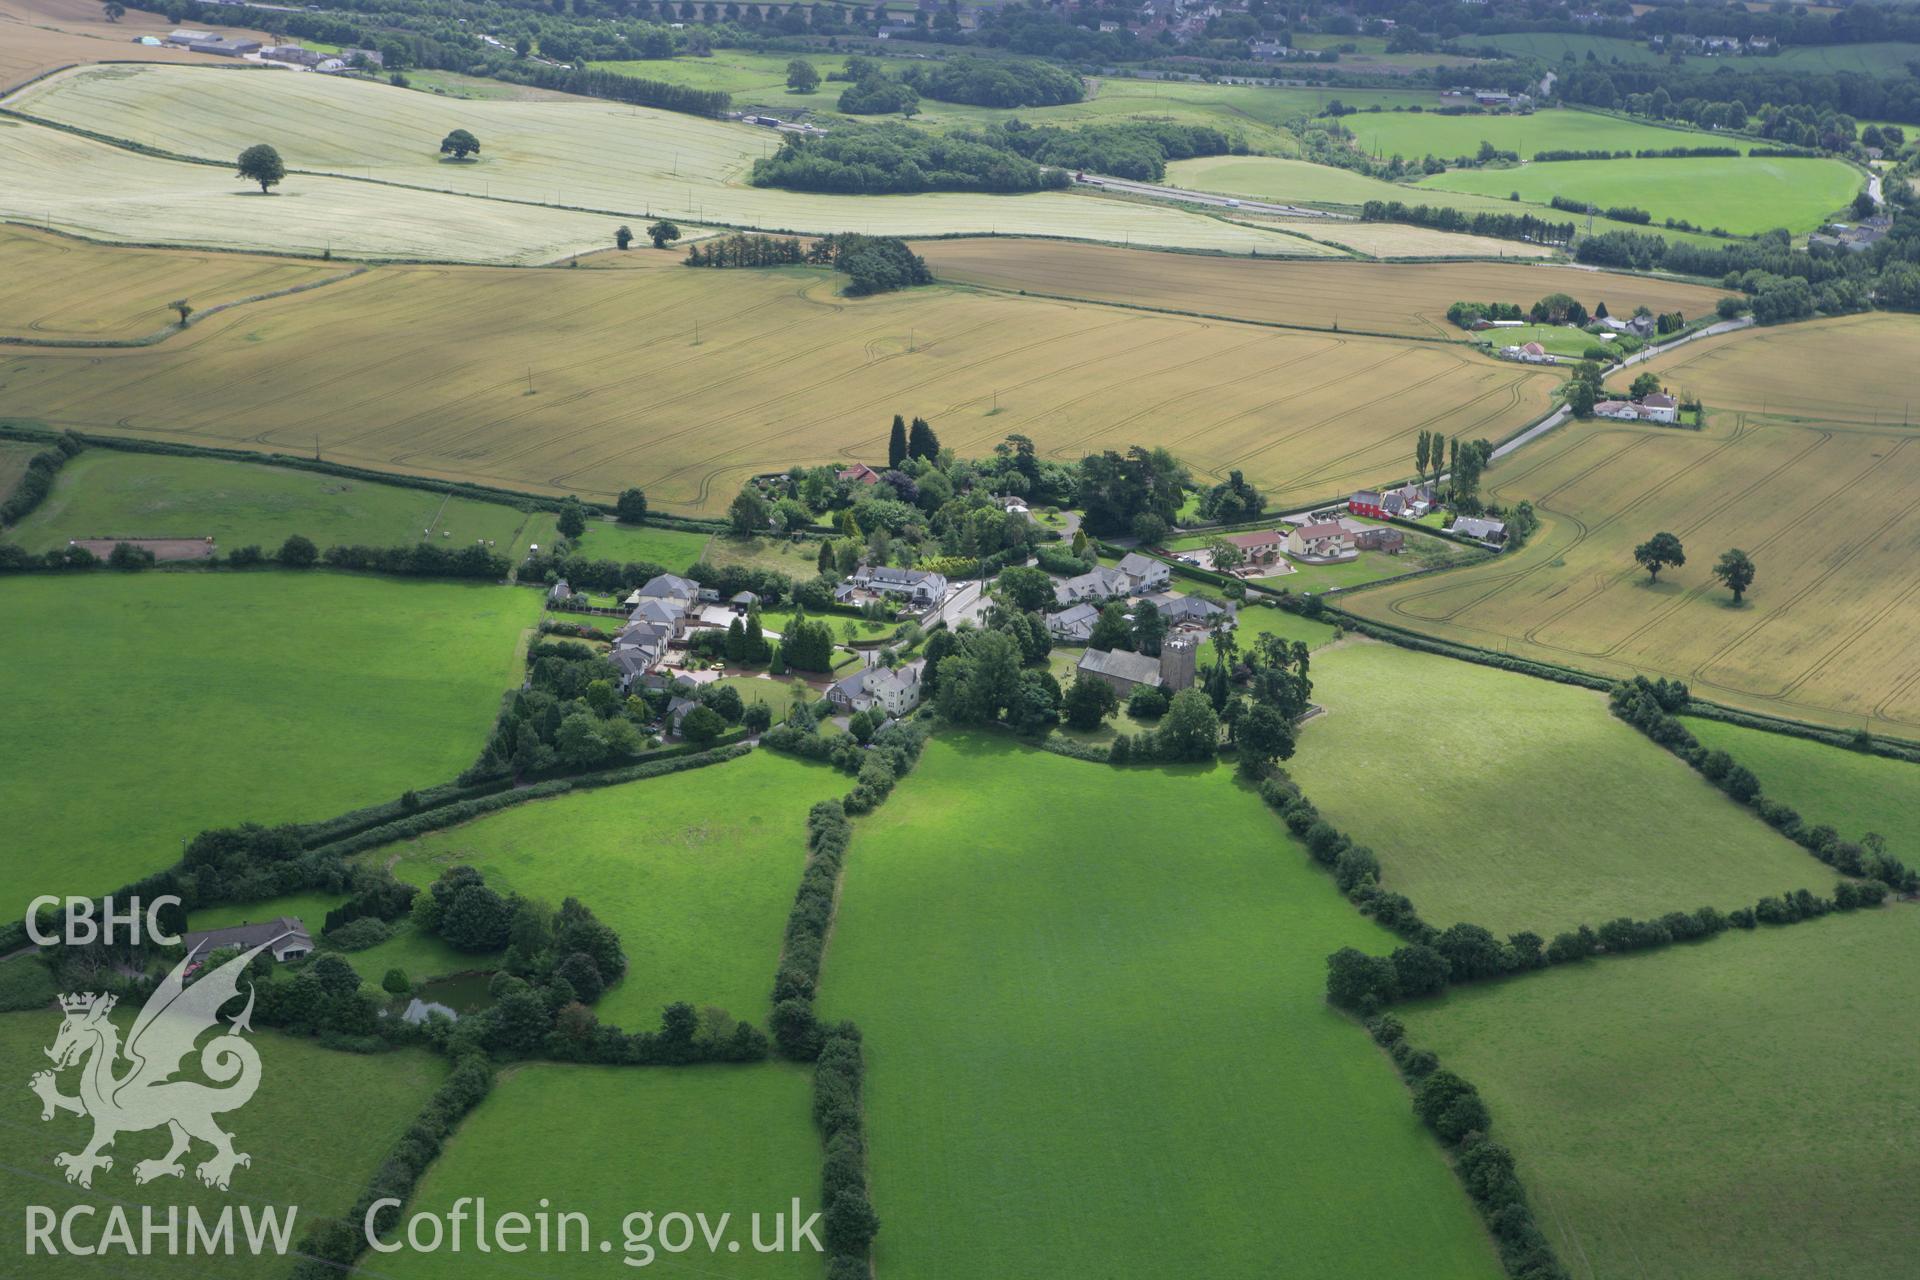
x=861, y=473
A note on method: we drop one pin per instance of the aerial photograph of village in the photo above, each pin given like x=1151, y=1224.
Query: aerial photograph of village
x=960, y=639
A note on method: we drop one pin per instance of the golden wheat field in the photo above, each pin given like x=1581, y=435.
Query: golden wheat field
x=1398, y=240
x=1829, y=632
x=1373, y=297
x=627, y=162
x=1853, y=368
x=685, y=382
x=55, y=288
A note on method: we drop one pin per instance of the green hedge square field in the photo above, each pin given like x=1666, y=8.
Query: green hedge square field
x=695, y=871
x=1097, y=1043
x=304, y=1153
x=1849, y=791
x=1516, y=803
x=141, y=710
x=610, y=1141
x=1738, y=1108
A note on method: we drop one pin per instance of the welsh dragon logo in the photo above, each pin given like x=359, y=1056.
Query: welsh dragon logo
x=129, y=1088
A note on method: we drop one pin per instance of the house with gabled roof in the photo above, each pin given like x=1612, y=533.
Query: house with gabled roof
x=1144, y=573
x=894, y=690
x=286, y=937
x=1074, y=625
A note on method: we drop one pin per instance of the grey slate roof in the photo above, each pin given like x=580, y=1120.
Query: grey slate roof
x=1136, y=667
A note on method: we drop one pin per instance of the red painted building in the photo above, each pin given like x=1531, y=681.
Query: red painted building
x=1366, y=503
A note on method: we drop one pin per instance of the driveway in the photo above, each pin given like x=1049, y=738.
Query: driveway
x=965, y=603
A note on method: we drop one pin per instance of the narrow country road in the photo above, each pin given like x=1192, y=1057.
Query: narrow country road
x=1128, y=187
x=1724, y=326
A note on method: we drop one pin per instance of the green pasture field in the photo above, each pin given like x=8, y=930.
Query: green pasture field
x=799, y=560
x=1879, y=58
x=1301, y=181
x=1259, y=620
x=1415, y=134
x=1738, y=194
x=316, y=1130
x=1850, y=791
x=1420, y=552
x=106, y=493
x=1526, y=805
x=694, y=871
x=612, y=1141
x=619, y=161
x=755, y=79
x=677, y=549
x=1094, y=996
x=1558, y=339
x=1717, y=1111
x=171, y=702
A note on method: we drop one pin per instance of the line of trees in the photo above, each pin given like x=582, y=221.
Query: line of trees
x=1645, y=153
x=1503, y=226
x=36, y=482
x=891, y=158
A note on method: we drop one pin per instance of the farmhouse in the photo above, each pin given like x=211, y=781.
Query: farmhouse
x=1320, y=542
x=1260, y=547
x=1367, y=502
x=1144, y=573
x=287, y=938
x=1657, y=407
x=922, y=588
x=1492, y=532
x=1075, y=624
x=1531, y=353
x=895, y=690
x=667, y=586
x=1125, y=671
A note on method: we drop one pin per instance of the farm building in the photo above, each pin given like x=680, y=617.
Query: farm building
x=895, y=690
x=1367, y=502
x=1376, y=537
x=208, y=42
x=1320, y=542
x=1125, y=671
x=1479, y=529
x=1260, y=547
x=286, y=938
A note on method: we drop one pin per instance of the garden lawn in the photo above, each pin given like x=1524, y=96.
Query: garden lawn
x=1517, y=803
x=1734, y=1108
x=1737, y=194
x=676, y=549
x=142, y=710
x=612, y=1141
x=694, y=870
x=1852, y=792
x=1097, y=1042
x=1557, y=339
x=1258, y=620
x=110, y=493
x=317, y=1129
x=799, y=560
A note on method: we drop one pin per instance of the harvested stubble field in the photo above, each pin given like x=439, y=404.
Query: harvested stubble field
x=1734, y=1108
x=61, y=289
x=1738, y=194
x=38, y=35
x=629, y=162
x=1569, y=817
x=589, y=381
x=1788, y=371
x=1366, y=297
x=1398, y=240
x=1829, y=632
x=73, y=184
